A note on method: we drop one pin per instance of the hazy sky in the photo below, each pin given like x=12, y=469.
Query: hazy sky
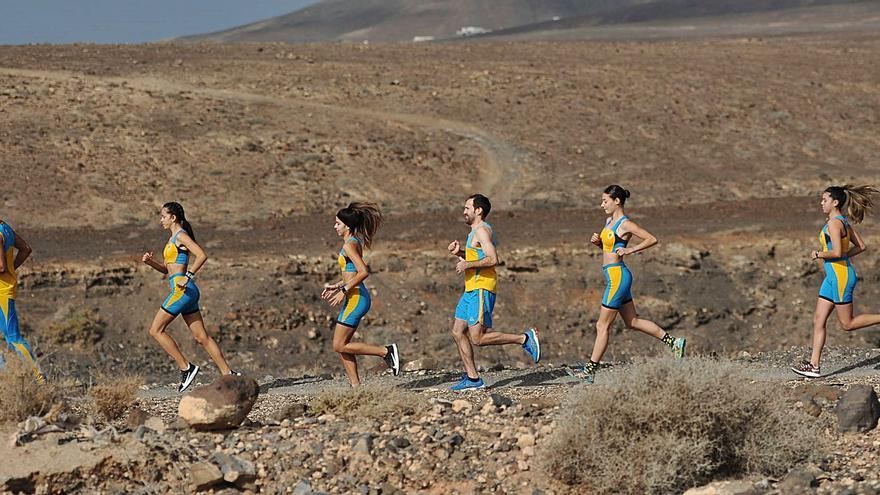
x=128, y=21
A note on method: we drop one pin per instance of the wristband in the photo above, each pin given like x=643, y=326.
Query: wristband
x=190, y=275
x=343, y=289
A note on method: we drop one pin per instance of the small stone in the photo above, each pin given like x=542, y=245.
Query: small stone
x=858, y=410
x=400, y=442
x=136, y=417
x=798, y=480
x=459, y=405
x=155, y=424
x=364, y=444
x=526, y=440
x=205, y=475
x=235, y=470
x=499, y=400
x=302, y=488
x=724, y=488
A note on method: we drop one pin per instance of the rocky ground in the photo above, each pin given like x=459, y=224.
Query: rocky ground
x=417, y=438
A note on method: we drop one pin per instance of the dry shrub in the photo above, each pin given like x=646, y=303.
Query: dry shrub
x=668, y=426
x=78, y=327
x=113, y=396
x=367, y=401
x=21, y=396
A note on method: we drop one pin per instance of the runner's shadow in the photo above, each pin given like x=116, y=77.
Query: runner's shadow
x=433, y=381
x=861, y=364
x=289, y=382
x=533, y=379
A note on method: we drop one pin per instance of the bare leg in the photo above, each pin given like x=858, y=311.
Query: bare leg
x=850, y=323
x=820, y=317
x=603, y=326
x=197, y=326
x=342, y=336
x=158, y=332
x=465, y=349
x=481, y=336
x=631, y=319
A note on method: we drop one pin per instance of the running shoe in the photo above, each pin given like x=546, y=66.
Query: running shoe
x=678, y=347
x=531, y=345
x=392, y=359
x=187, y=376
x=586, y=374
x=467, y=384
x=233, y=373
x=806, y=369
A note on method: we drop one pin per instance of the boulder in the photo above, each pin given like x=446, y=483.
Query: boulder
x=205, y=475
x=221, y=405
x=858, y=410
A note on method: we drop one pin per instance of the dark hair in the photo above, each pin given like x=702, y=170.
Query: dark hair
x=859, y=200
x=363, y=219
x=481, y=202
x=617, y=192
x=176, y=209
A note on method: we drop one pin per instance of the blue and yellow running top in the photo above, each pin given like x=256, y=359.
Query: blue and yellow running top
x=479, y=278
x=610, y=240
x=8, y=280
x=840, y=276
x=173, y=253
x=345, y=263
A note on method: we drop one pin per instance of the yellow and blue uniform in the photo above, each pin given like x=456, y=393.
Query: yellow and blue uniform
x=618, y=278
x=181, y=300
x=8, y=315
x=357, y=299
x=840, y=276
x=478, y=301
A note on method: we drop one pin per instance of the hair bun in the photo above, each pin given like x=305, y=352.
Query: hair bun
x=626, y=193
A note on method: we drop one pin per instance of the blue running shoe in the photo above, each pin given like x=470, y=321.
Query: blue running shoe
x=532, y=346
x=467, y=384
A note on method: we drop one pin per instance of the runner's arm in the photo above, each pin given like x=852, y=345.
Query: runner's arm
x=24, y=250
x=835, y=230
x=859, y=246
x=491, y=258
x=648, y=239
x=362, y=271
x=195, y=249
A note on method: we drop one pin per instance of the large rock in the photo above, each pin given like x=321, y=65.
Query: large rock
x=223, y=404
x=858, y=409
x=724, y=488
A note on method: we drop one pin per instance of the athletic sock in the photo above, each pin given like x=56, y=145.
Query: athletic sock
x=473, y=380
x=668, y=340
x=591, y=367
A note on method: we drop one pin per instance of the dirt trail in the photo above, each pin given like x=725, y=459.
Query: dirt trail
x=502, y=164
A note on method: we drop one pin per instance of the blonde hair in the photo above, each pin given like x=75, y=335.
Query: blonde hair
x=363, y=218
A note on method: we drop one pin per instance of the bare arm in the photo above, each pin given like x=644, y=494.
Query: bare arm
x=24, y=250
x=148, y=260
x=2, y=257
x=354, y=255
x=835, y=230
x=455, y=249
x=491, y=259
x=195, y=249
x=858, y=247
x=648, y=239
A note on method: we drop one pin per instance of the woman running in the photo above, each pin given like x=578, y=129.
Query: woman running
x=14, y=250
x=617, y=298
x=184, y=296
x=840, y=242
x=356, y=224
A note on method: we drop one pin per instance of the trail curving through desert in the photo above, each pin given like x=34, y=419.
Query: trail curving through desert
x=502, y=161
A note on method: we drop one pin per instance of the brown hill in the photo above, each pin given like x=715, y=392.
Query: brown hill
x=404, y=20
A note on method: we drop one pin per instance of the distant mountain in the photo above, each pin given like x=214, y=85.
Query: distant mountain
x=406, y=20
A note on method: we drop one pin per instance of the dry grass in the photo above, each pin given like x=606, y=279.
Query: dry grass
x=670, y=426
x=367, y=401
x=78, y=327
x=113, y=396
x=21, y=395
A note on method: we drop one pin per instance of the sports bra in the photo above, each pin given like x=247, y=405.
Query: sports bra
x=345, y=263
x=174, y=253
x=610, y=240
x=825, y=239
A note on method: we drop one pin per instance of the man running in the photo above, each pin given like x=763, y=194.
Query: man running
x=473, y=315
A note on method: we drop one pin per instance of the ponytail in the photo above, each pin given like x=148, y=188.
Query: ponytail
x=363, y=219
x=176, y=209
x=858, y=200
x=617, y=192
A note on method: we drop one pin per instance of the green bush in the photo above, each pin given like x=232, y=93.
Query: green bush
x=668, y=426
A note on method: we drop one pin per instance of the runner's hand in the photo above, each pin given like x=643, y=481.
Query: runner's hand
x=329, y=290
x=181, y=282
x=461, y=266
x=454, y=247
x=624, y=251
x=337, y=298
x=595, y=239
x=147, y=258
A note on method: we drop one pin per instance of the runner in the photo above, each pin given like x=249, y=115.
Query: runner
x=184, y=296
x=10, y=260
x=840, y=242
x=617, y=298
x=473, y=315
x=357, y=225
